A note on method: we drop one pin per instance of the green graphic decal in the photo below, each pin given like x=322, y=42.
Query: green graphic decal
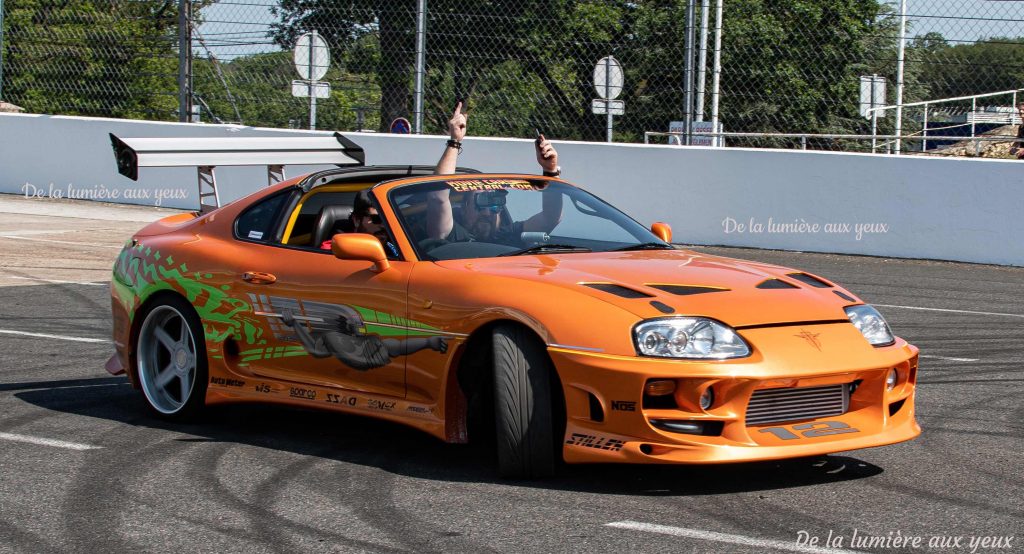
x=139, y=272
x=272, y=353
x=406, y=326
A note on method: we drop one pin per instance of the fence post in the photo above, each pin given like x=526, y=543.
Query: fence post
x=900, y=61
x=924, y=131
x=1, y=49
x=421, y=63
x=702, y=59
x=973, y=116
x=691, y=19
x=717, y=72
x=184, y=60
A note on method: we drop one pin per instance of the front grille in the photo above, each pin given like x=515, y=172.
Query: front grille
x=775, y=405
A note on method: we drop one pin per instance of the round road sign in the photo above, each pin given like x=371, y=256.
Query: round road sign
x=608, y=78
x=401, y=126
x=312, y=57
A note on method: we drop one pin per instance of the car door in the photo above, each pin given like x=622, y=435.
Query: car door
x=326, y=321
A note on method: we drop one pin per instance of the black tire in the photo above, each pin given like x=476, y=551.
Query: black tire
x=524, y=422
x=183, y=396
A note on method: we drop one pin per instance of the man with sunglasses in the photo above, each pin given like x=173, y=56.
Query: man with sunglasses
x=366, y=219
x=482, y=216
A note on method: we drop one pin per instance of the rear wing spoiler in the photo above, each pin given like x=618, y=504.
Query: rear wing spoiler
x=207, y=153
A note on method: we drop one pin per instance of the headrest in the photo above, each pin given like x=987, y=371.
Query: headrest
x=330, y=221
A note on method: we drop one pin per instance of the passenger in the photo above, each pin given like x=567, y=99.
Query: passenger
x=483, y=216
x=366, y=219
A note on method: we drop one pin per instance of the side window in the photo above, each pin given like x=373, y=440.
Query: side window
x=256, y=223
x=309, y=214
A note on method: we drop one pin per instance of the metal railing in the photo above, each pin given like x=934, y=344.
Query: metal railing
x=927, y=104
x=885, y=144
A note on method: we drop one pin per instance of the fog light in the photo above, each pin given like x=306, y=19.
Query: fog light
x=707, y=399
x=890, y=380
x=660, y=387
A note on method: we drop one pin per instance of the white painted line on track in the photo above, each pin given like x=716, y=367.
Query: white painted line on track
x=948, y=311
x=30, y=232
x=763, y=544
x=47, y=442
x=62, y=242
x=58, y=281
x=48, y=336
x=950, y=358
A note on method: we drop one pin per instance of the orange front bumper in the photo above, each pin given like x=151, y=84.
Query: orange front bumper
x=608, y=421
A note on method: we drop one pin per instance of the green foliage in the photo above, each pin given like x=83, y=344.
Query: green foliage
x=91, y=57
x=259, y=86
x=788, y=65
x=991, y=65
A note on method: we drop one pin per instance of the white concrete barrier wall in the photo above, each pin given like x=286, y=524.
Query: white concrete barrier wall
x=912, y=207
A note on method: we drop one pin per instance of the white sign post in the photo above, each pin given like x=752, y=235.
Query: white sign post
x=312, y=58
x=872, y=95
x=608, y=79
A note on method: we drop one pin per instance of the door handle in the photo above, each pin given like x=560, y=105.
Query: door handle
x=258, y=278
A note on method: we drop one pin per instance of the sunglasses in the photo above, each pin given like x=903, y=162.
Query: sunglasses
x=374, y=218
x=492, y=201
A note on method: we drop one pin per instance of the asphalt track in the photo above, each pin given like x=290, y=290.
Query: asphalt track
x=83, y=468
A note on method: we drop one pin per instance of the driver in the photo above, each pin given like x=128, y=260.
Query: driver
x=366, y=219
x=483, y=217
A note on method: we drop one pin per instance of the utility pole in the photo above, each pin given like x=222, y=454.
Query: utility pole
x=184, y=60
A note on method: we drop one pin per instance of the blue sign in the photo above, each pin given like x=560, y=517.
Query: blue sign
x=401, y=126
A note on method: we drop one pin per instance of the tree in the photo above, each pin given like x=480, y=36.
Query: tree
x=985, y=66
x=343, y=25
x=92, y=57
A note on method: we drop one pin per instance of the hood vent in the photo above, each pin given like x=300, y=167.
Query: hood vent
x=844, y=296
x=809, y=280
x=775, y=284
x=686, y=290
x=618, y=290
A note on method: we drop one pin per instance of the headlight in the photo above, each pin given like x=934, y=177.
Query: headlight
x=688, y=337
x=871, y=324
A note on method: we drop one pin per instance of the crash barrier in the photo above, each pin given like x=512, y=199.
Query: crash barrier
x=912, y=207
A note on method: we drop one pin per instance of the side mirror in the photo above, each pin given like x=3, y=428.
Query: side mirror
x=360, y=246
x=663, y=231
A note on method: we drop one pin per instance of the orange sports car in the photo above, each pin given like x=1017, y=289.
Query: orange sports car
x=514, y=306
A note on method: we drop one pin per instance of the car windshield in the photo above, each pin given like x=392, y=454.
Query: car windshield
x=509, y=217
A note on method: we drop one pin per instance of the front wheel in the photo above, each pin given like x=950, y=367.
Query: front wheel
x=172, y=360
x=525, y=423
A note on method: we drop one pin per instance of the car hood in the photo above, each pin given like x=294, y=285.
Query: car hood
x=658, y=283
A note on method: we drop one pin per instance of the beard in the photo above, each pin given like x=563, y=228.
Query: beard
x=483, y=227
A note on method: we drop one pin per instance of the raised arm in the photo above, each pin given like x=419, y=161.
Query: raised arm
x=439, y=205
x=551, y=207
x=456, y=132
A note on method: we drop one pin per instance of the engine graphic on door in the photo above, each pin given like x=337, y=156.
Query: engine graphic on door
x=359, y=337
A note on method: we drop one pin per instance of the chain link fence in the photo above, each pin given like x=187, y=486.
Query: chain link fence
x=786, y=66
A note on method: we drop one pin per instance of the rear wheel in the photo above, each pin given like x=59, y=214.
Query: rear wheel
x=524, y=420
x=171, y=356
